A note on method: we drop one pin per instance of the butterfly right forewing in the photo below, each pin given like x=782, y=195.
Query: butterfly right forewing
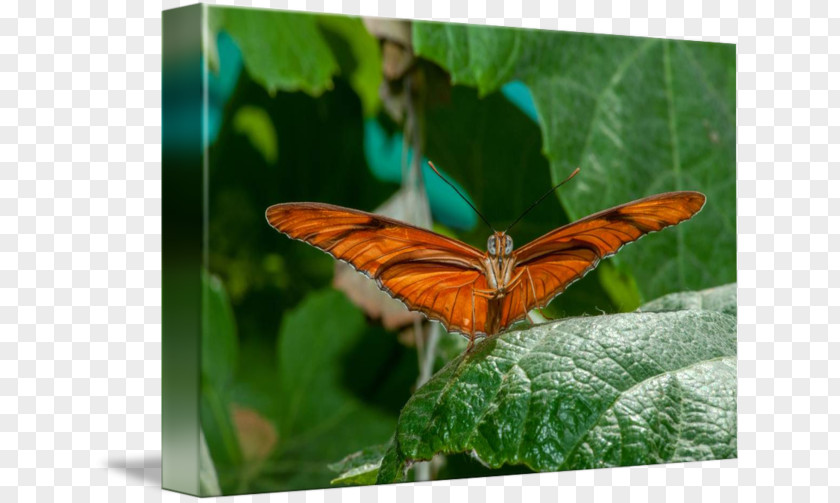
x=549, y=264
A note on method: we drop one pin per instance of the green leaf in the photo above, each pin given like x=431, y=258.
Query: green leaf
x=639, y=116
x=281, y=50
x=393, y=466
x=619, y=284
x=255, y=123
x=321, y=420
x=293, y=51
x=588, y=392
x=476, y=56
x=219, y=345
x=358, y=55
x=360, y=467
x=722, y=299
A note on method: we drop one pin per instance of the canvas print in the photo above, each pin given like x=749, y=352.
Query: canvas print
x=401, y=251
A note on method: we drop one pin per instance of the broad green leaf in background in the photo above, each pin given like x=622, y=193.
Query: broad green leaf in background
x=589, y=392
x=294, y=51
x=321, y=421
x=639, y=116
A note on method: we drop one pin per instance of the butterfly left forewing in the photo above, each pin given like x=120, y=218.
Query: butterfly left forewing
x=428, y=272
x=549, y=264
x=364, y=240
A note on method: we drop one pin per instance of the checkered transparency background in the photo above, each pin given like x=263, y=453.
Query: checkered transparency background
x=80, y=260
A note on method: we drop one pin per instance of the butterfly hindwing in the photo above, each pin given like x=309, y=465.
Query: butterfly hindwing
x=443, y=293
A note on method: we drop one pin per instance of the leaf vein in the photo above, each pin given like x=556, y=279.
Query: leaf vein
x=621, y=394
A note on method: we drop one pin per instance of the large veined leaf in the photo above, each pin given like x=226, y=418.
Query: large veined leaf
x=588, y=392
x=639, y=116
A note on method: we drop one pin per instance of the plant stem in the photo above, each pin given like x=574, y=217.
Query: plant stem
x=429, y=354
x=422, y=471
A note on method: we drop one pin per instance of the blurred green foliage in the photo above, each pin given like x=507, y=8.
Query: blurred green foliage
x=290, y=365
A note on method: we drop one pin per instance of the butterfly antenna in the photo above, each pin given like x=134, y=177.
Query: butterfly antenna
x=542, y=197
x=462, y=195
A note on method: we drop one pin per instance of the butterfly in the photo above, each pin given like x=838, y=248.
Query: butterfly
x=477, y=294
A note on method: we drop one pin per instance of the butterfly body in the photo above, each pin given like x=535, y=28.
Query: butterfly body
x=498, y=262
x=473, y=293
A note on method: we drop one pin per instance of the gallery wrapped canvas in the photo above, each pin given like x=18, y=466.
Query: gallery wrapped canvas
x=511, y=251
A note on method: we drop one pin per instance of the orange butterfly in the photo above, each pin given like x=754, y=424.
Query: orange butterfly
x=476, y=294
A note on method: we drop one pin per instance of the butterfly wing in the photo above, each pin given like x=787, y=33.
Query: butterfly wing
x=428, y=272
x=549, y=264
